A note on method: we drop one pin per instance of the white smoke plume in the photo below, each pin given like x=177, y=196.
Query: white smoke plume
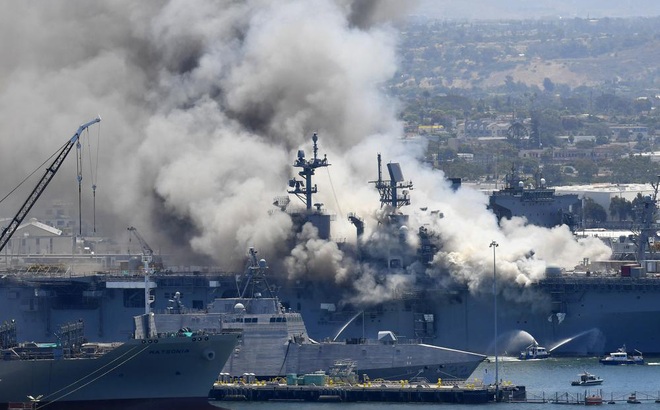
x=204, y=107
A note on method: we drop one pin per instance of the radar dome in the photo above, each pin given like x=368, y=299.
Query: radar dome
x=239, y=307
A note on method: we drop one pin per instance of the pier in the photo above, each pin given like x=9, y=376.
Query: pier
x=611, y=398
x=589, y=398
x=372, y=391
x=407, y=392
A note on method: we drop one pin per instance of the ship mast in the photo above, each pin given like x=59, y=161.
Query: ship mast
x=305, y=190
x=394, y=194
x=255, y=276
x=648, y=226
x=395, y=191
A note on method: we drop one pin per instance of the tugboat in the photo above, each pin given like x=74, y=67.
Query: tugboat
x=632, y=399
x=622, y=357
x=587, y=379
x=534, y=351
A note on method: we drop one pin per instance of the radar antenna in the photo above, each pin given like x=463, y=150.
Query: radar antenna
x=389, y=190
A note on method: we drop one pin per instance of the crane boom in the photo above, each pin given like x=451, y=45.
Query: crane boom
x=41, y=186
x=146, y=249
x=147, y=259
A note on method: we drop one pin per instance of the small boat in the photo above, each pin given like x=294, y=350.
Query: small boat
x=623, y=357
x=632, y=399
x=587, y=379
x=534, y=351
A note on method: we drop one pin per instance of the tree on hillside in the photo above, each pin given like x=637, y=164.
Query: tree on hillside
x=548, y=85
x=460, y=168
x=586, y=169
x=516, y=133
x=634, y=169
x=553, y=175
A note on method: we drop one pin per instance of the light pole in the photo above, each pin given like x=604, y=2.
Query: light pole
x=494, y=245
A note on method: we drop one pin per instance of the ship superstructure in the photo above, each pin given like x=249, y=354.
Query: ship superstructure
x=305, y=189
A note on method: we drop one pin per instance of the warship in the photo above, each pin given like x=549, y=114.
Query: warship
x=585, y=311
x=275, y=341
x=538, y=204
x=161, y=372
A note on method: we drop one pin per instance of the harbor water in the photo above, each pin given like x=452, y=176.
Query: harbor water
x=545, y=380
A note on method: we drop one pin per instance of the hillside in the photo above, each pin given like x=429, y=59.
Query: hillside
x=620, y=55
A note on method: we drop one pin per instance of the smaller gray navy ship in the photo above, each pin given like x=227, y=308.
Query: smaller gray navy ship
x=275, y=341
x=160, y=372
x=540, y=205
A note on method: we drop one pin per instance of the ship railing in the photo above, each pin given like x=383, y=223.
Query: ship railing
x=609, y=283
x=62, y=270
x=199, y=332
x=90, y=355
x=179, y=310
x=365, y=341
x=36, y=354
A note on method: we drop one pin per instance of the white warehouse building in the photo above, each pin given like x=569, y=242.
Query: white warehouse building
x=602, y=194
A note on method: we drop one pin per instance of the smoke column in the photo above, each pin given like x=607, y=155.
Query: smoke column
x=204, y=107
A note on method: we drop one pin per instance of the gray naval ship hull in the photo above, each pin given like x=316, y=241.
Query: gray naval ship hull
x=595, y=314
x=389, y=362
x=274, y=343
x=569, y=315
x=163, y=373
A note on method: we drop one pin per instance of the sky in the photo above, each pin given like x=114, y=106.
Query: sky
x=203, y=112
